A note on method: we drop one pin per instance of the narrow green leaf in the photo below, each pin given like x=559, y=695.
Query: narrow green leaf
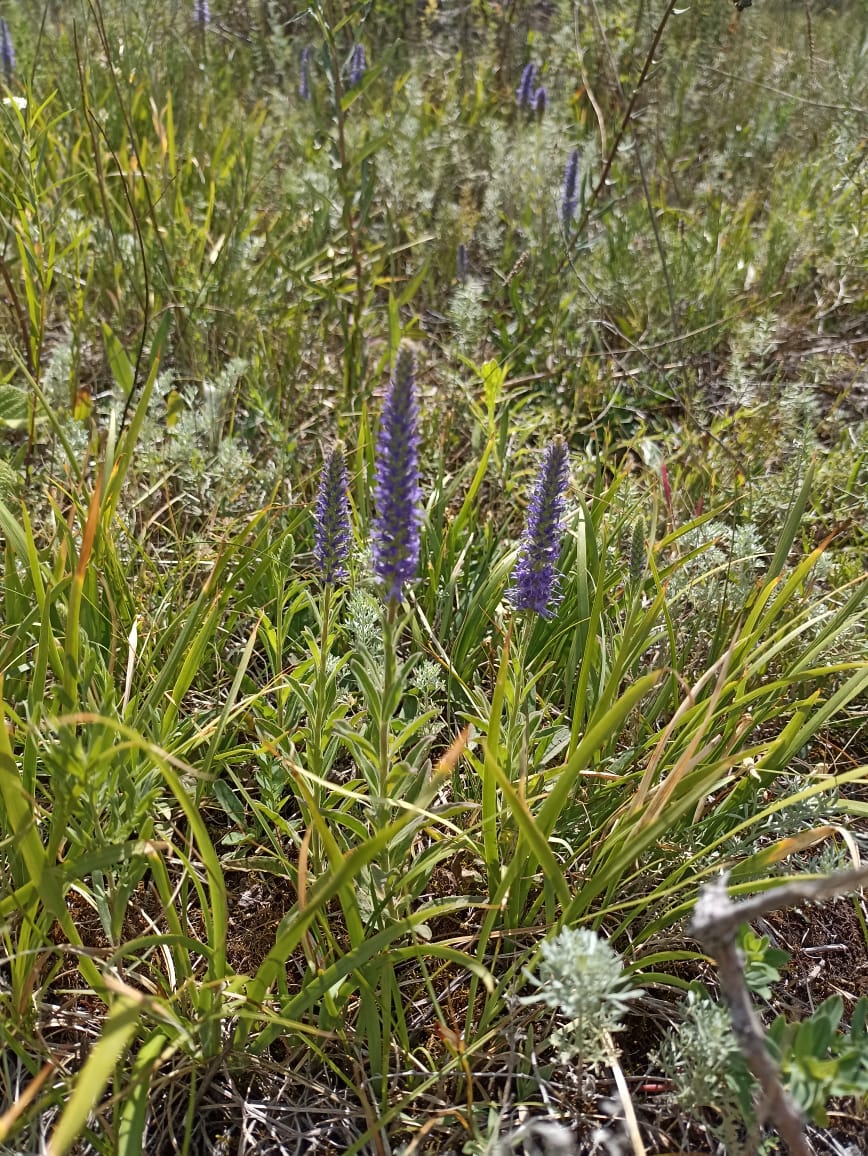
x=119, y=1029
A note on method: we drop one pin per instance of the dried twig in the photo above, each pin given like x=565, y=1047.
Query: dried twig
x=715, y=923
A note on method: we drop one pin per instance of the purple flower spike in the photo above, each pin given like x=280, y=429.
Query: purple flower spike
x=540, y=100
x=524, y=92
x=304, y=78
x=397, y=495
x=201, y=13
x=7, y=50
x=570, y=201
x=332, y=530
x=535, y=578
x=358, y=64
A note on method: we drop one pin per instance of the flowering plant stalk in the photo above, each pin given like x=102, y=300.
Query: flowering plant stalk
x=332, y=536
x=395, y=530
x=534, y=592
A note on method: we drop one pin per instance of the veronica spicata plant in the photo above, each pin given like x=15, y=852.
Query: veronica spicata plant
x=332, y=532
x=332, y=536
x=535, y=579
x=397, y=496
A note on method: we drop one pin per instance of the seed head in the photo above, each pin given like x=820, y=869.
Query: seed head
x=535, y=578
x=397, y=495
x=332, y=517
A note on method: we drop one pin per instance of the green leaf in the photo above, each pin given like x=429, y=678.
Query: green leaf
x=119, y=1029
x=14, y=409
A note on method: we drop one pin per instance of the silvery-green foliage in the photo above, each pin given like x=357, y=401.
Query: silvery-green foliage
x=581, y=976
x=467, y=313
x=231, y=467
x=702, y=1060
x=55, y=377
x=216, y=395
x=698, y=1054
x=524, y=184
x=724, y=567
x=427, y=680
x=417, y=145
x=55, y=384
x=193, y=452
x=798, y=410
x=281, y=48
x=363, y=620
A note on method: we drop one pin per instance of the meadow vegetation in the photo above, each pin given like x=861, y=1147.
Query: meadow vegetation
x=433, y=503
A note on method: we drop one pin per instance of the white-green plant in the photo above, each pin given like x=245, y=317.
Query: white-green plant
x=582, y=977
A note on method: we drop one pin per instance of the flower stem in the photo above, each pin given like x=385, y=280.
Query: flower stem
x=390, y=643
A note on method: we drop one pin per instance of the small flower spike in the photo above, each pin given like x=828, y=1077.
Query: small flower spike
x=535, y=579
x=7, y=50
x=524, y=92
x=332, y=518
x=358, y=64
x=570, y=201
x=201, y=13
x=304, y=77
x=397, y=495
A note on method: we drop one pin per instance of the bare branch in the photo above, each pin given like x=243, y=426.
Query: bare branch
x=715, y=923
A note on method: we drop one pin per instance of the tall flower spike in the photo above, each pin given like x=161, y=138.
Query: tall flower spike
x=397, y=495
x=358, y=65
x=7, y=50
x=304, y=77
x=535, y=579
x=524, y=92
x=201, y=13
x=570, y=201
x=332, y=532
